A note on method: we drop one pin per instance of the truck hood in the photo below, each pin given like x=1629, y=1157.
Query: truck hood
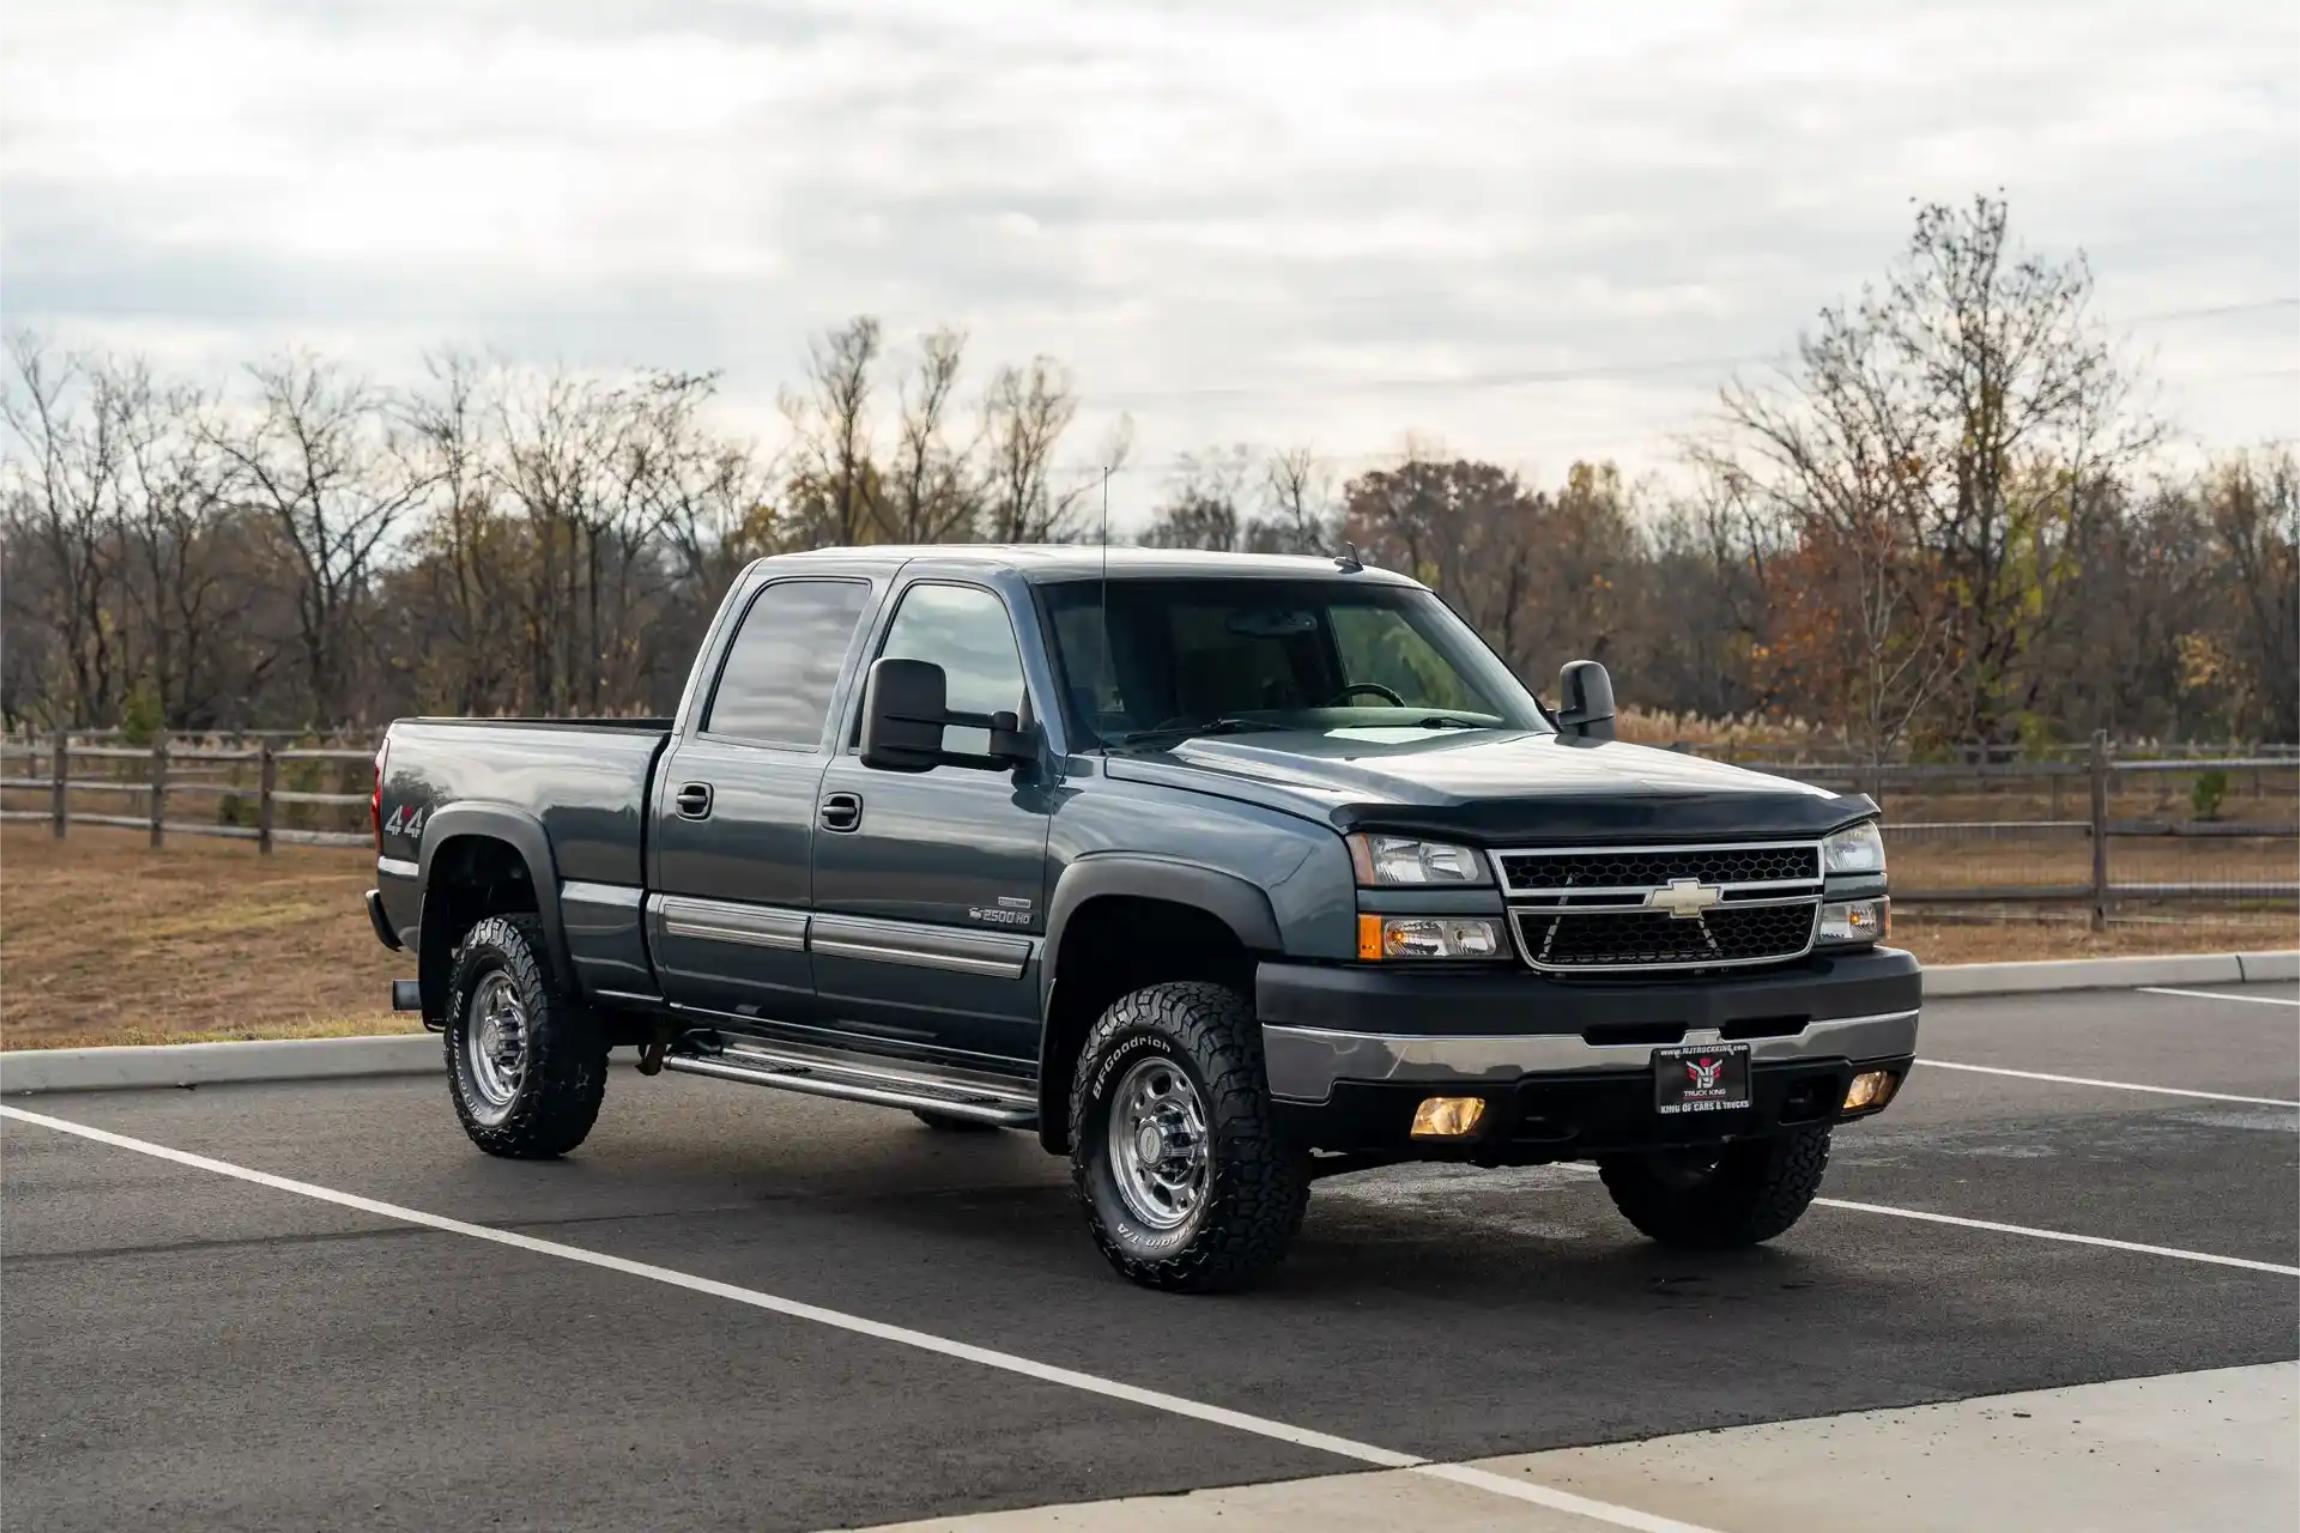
x=1493, y=787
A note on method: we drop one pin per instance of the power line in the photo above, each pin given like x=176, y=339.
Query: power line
x=2252, y=306
x=1591, y=374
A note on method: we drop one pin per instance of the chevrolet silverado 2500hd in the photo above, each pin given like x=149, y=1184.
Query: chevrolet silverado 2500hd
x=1218, y=873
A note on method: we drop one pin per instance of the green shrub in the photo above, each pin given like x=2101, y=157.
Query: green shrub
x=2211, y=787
x=141, y=721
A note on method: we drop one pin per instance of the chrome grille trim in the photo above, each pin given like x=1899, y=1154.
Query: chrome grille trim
x=1628, y=899
x=1500, y=859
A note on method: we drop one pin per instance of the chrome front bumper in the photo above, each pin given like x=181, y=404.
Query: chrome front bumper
x=1306, y=1062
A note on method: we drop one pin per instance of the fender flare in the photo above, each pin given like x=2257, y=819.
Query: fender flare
x=524, y=834
x=1235, y=902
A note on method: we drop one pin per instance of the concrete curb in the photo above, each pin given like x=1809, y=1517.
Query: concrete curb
x=205, y=1064
x=1976, y=979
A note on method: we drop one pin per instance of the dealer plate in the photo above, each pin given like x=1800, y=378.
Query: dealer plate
x=1701, y=1077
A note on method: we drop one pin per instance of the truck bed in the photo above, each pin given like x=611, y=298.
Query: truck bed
x=585, y=780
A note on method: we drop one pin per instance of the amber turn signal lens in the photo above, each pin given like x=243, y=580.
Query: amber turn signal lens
x=1369, y=937
x=1448, y=1117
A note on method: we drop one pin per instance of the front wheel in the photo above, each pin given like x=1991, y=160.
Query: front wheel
x=526, y=1063
x=1186, y=1181
x=1713, y=1200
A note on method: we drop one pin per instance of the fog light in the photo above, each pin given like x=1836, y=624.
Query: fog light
x=1448, y=1117
x=1870, y=1088
x=1856, y=921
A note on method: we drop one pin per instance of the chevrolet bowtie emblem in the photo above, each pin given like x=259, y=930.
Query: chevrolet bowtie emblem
x=1684, y=898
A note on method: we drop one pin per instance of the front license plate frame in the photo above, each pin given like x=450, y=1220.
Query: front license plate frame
x=1691, y=1078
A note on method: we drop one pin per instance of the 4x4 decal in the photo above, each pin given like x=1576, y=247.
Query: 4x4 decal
x=404, y=823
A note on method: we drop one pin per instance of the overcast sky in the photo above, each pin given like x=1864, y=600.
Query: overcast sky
x=1530, y=231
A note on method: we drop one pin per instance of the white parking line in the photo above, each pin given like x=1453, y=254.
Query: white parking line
x=2062, y=1235
x=2084, y=1080
x=2215, y=995
x=1260, y=1426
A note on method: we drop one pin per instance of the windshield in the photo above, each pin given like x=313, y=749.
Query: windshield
x=1198, y=656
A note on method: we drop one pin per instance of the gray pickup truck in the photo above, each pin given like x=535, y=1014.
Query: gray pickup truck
x=1221, y=874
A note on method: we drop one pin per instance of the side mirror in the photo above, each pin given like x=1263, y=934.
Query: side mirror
x=904, y=702
x=906, y=707
x=1587, y=710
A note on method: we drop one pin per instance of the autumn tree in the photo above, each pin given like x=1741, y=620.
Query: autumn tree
x=2253, y=509
x=1939, y=447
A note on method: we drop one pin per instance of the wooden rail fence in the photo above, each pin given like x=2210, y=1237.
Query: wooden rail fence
x=2079, y=810
x=158, y=787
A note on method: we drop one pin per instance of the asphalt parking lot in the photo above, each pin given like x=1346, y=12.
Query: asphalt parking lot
x=183, y=1346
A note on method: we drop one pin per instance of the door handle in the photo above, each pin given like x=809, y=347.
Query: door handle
x=693, y=801
x=841, y=811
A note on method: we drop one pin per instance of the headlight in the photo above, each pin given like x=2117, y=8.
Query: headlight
x=1855, y=849
x=1403, y=860
x=1388, y=937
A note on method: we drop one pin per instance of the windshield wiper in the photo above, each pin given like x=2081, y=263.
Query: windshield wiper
x=1225, y=725
x=1448, y=721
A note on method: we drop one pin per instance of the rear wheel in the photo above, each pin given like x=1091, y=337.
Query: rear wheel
x=1710, y=1200
x=526, y=1063
x=1186, y=1180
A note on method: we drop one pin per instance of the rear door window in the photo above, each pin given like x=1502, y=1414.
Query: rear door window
x=776, y=683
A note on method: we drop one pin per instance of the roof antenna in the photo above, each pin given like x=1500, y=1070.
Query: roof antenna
x=1347, y=561
x=1108, y=681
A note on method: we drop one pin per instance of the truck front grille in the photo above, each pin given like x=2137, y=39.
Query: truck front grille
x=1586, y=909
x=1642, y=938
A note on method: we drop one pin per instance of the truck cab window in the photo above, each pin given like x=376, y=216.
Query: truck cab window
x=784, y=663
x=965, y=630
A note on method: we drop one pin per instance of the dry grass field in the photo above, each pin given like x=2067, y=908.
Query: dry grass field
x=103, y=940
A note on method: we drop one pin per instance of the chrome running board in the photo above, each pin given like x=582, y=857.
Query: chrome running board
x=1007, y=1102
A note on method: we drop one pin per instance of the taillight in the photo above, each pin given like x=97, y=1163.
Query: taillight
x=375, y=804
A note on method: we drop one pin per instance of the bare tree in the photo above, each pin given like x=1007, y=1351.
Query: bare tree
x=63, y=495
x=1298, y=500
x=558, y=437
x=1201, y=508
x=1028, y=410
x=322, y=463
x=834, y=482
x=929, y=492
x=466, y=552
x=185, y=583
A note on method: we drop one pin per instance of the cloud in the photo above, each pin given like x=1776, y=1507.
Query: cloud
x=1270, y=222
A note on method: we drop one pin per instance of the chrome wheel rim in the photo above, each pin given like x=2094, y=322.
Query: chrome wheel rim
x=495, y=1045
x=1158, y=1149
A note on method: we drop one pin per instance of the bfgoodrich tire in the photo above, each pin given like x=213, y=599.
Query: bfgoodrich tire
x=1186, y=1181
x=526, y=1063
x=1745, y=1193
